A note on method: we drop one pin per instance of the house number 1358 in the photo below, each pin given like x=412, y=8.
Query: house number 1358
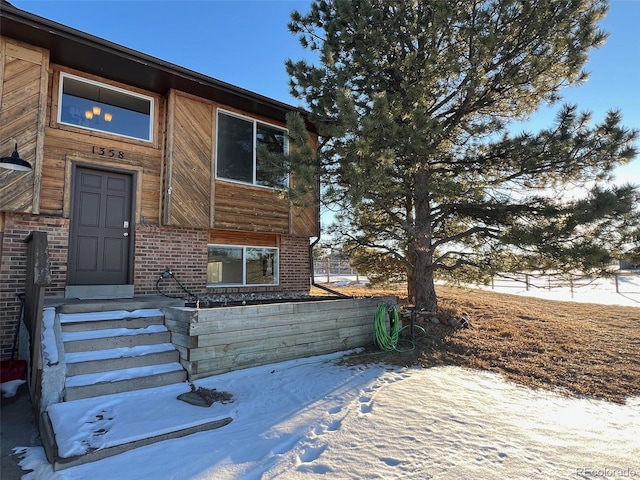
x=107, y=152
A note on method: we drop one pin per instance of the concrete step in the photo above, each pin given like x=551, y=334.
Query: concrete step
x=105, y=339
x=118, y=381
x=82, y=363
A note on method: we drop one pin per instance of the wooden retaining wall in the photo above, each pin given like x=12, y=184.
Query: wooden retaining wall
x=218, y=340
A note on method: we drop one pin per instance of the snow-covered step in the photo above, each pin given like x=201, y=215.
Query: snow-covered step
x=95, y=361
x=75, y=322
x=103, y=339
x=117, y=381
x=114, y=351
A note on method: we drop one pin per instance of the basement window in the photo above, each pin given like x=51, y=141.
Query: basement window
x=240, y=266
x=103, y=108
x=251, y=152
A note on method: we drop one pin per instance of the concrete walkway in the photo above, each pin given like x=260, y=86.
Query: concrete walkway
x=18, y=428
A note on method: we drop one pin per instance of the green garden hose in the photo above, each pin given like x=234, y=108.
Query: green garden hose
x=388, y=339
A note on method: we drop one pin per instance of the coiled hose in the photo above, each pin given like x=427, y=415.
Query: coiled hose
x=388, y=340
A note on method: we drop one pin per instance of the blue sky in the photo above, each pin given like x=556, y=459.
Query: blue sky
x=245, y=43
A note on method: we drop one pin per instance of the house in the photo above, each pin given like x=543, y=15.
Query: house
x=124, y=178
x=138, y=167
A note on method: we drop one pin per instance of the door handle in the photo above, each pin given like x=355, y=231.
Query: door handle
x=125, y=234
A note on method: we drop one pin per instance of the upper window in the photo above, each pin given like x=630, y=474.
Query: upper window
x=251, y=152
x=100, y=107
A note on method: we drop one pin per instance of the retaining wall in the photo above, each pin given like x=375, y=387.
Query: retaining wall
x=218, y=340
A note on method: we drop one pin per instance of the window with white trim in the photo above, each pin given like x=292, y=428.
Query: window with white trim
x=97, y=106
x=237, y=266
x=251, y=152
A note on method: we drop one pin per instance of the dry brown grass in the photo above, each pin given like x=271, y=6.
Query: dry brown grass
x=576, y=348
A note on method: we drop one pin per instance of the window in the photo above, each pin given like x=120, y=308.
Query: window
x=100, y=107
x=251, y=152
x=229, y=265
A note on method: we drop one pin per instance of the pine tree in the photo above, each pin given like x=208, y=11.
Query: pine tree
x=413, y=100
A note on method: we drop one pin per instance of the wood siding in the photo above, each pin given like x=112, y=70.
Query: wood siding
x=23, y=87
x=245, y=207
x=304, y=221
x=193, y=197
x=226, y=237
x=305, y=217
x=175, y=173
x=188, y=161
x=65, y=145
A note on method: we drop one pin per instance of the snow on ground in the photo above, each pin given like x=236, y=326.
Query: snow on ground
x=10, y=388
x=311, y=418
x=600, y=290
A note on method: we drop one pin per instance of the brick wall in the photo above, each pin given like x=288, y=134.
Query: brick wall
x=183, y=250
x=13, y=264
x=294, y=264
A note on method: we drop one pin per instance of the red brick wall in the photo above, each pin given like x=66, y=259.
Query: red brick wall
x=13, y=265
x=295, y=273
x=183, y=250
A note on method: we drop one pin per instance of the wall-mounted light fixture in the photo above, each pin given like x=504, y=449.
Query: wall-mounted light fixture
x=14, y=162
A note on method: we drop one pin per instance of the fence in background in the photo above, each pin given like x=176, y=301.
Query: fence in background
x=628, y=282
x=333, y=266
x=621, y=283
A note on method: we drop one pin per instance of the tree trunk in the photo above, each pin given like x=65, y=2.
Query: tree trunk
x=425, y=292
x=411, y=287
x=424, y=288
x=411, y=279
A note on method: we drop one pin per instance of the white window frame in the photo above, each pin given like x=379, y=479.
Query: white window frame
x=244, y=266
x=255, y=134
x=151, y=101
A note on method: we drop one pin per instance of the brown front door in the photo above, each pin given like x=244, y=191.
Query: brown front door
x=100, y=240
